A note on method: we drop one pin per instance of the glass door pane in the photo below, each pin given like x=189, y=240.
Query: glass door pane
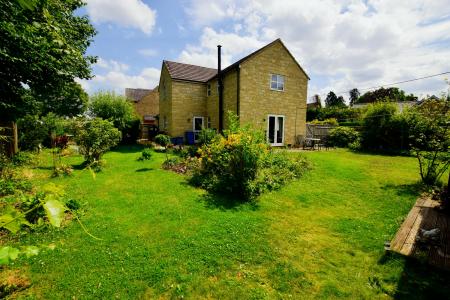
x=271, y=134
x=280, y=129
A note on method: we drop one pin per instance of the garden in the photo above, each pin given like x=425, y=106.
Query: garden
x=157, y=236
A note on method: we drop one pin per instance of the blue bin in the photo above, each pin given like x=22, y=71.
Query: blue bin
x=190, y=137
x=177, y=140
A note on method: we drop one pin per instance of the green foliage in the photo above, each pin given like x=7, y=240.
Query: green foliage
x=331, y=122
x=392, y=94
x=42, y=51
x=354, y=95
x=430, y=138
x=241, y=163
x=383, y=129
x=334, y=101
x=117, y=109
x=95, y=137
x=34, y=131
x=343, y=136
x=206, y=136
x=10, y=181
x=146, y=154
x=68, y=100
x=341, y=114
x=163, y=140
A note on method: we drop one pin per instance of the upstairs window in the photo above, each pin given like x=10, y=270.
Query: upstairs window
x=208, y=89
x=277, y=82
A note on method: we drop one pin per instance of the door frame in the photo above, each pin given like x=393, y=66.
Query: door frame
x=275, y=129
x=196, y=132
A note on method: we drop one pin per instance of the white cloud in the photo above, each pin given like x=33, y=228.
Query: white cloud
x=126, y=13
x=113, y=75
x=148, y=52
x=341, y=44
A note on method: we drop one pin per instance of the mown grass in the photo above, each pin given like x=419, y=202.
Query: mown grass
x=319, y=237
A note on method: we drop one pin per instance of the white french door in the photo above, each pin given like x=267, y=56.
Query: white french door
x=275, y=130
x=198, y=123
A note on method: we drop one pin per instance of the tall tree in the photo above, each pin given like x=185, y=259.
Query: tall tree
x=392, y=94
x=42, y=50
x=354, y=95
x=334, y=101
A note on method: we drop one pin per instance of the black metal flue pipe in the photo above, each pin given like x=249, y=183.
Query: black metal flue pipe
x=220, y=86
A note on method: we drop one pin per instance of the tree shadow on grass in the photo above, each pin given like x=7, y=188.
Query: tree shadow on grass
x=418, y=280
x=227, y=202
x=413, y=189
x=144, y=170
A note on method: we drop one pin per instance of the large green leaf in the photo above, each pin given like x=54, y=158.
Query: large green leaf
x=54, y=211
x=12, y=220
x=7, y=254
x=31, y=251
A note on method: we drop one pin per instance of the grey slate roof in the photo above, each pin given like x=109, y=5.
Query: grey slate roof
x=136, y=94
x=188, y=72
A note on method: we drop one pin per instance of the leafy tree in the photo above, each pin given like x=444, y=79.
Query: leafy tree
x=334, y=101
x=67, y=100
x=42, y=50
x=392, y=94
x=95, y=137
x=354, y=95
x=430, y=138
x=384, y=129
x=115, y=108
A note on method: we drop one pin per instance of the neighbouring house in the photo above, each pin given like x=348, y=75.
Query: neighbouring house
x=267, y=89
x=146, y=105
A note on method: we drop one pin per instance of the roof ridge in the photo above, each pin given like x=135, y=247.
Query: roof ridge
x=181, y=63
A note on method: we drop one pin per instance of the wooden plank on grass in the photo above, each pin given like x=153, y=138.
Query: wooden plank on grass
x=401, y=236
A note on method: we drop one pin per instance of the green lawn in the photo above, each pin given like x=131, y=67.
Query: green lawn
x=319, y=237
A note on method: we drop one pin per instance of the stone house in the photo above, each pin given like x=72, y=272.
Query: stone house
x=146, y=105
x=267, y=88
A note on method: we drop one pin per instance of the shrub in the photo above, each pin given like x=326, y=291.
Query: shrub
x=340, y=114
x=241, y=163
x=330, y=121
x=163, y=140
x=384, y=129
x=95, y=137
x=206, y=136
x=146, y=154
x=343, y=136
x=430, y=138
x=118, y=110
x=32, y=132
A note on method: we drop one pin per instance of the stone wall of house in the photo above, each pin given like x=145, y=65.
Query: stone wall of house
x=229, y=99
x=188, y=101
x=148, y=105
x=257, y=100
x=165, y=100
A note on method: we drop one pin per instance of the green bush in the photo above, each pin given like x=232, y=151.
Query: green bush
x=330, y=121
x=146, y=154
x=32, y=132
x=340, y=114
x=118, y=110
x=163, y=140
x=343, y=136
x=241, y=163
x=95, y=137
x=206, y=136
x=384, y=129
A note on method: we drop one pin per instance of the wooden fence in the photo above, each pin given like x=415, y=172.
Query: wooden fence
x=318, y=131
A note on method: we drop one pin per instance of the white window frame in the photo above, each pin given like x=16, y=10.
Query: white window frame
x=196, y=132
x=275, y=130
x=277, y=81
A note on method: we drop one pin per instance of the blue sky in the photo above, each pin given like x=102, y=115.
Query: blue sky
x=341, y=44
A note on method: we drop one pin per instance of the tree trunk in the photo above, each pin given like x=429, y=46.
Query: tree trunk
x=15, y=138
